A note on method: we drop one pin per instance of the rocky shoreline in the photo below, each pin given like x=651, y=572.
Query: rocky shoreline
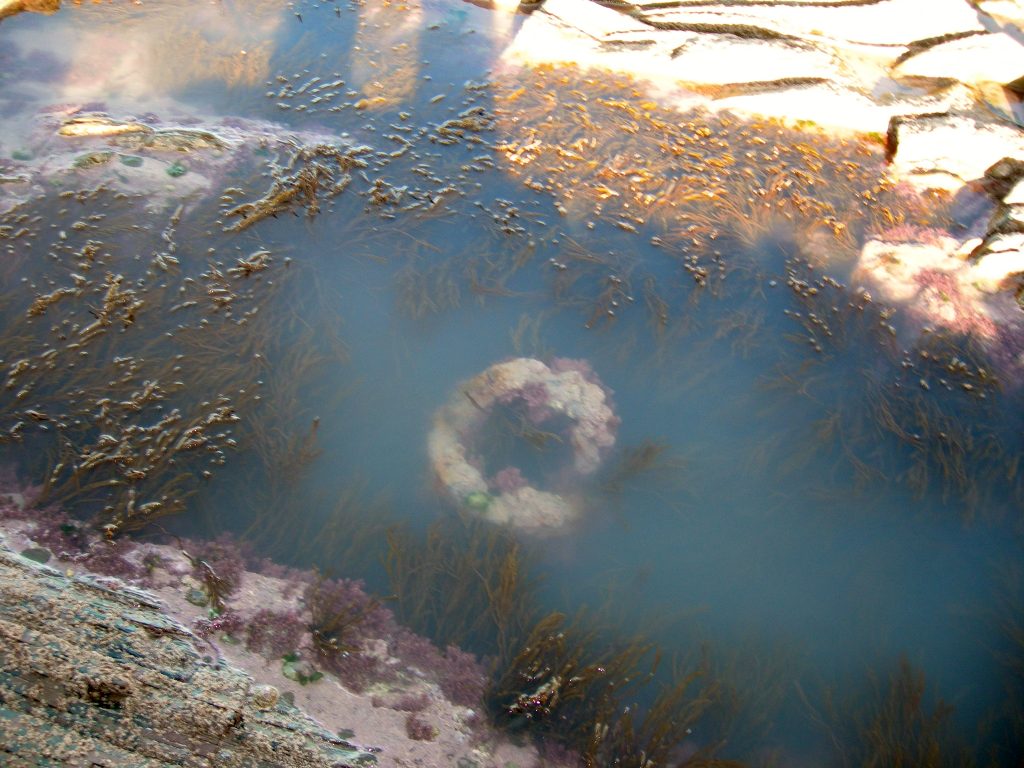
x=114, y=655
x=942, y=90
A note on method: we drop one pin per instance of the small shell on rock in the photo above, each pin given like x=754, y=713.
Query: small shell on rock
x=264, y=696
x=92, y=159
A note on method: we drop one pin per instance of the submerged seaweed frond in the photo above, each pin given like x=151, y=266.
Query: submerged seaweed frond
x=568, y=683
x=466, y=584
x=649, y=462
x=895, y=723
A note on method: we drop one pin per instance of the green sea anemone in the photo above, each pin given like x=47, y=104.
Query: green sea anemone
x=478, y=500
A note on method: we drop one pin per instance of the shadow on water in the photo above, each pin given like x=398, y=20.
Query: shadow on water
x=804, y=500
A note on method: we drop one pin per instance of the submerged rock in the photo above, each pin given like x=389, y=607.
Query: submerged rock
x=100, y=125
x=92, y=159
x=264, y=696
x=146, y=156
x=945, y=283
x=567, y=388
x=1004, y=177
x=94, y=672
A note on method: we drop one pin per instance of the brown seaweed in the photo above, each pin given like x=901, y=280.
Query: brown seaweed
x=895, y=723
x=465, y=584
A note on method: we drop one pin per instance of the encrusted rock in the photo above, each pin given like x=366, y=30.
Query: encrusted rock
x=946, y=150
x=264, y=696
x=968, y=57
x=1003, y=176
x=1016, y=195
x=94, y=673
x=1001, y=260
x=1007, y=220
x=569, y=389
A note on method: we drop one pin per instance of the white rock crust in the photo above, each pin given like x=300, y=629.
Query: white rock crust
x=841, y=60
x=568, y=392
x=946, y=151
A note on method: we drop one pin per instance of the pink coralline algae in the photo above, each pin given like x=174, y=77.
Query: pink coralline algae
x=418, y=729
x=358, y=670
x=274, y=633
x=223, y=557
x=343, y=606
x=228, y=623
x=343, y=621
x=507, y=480
x=60, y=534
x=461, y=677
x=943, y=286
x=535, y=396
x=110, y=559
x=459, y=674
x=909, y=233
x=942, y=291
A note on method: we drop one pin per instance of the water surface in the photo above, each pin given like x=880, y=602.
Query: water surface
x=784, y=526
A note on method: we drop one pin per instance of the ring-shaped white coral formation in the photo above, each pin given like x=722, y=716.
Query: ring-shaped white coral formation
x=567, y=388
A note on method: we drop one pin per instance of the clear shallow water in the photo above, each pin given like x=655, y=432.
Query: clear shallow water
x=758, y=537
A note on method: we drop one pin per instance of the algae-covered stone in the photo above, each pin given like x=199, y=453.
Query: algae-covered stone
x=37, y=554
x=176, y=169
x=92, y=159
x=132, y=161
x=92, y=672
x=300, y=670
